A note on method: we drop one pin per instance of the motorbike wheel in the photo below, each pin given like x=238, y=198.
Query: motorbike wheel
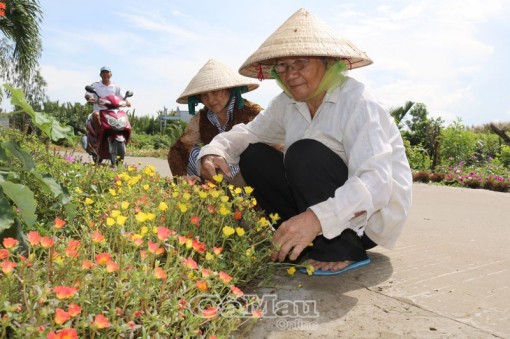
x=118, y=152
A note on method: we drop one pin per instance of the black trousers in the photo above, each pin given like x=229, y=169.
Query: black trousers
x=308, y=174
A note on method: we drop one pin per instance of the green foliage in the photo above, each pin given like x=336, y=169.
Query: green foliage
x=417, y=156
x=504, y=155
x=20, y=179
x=458, y=145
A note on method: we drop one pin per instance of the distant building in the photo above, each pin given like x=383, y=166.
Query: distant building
x=178, y=114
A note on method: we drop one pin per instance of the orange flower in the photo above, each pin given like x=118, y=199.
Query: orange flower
x=202, y=285
x=97, y=237
x=61, y=316
x=210, y=312
x=217, y=250
x=73, y=310
x=237, y=291
x=238, y=215
x=101, y=322
x=64, y=292
x=195, y=220
x=103, y=258
x=224, y=277
x=10, y=243
x=8, y=266
x=66, y=333
x=153, y=246
x=206, y=273
x=198, y=246
x=87, y=265
x=111, y=266
x=163, y=233
x=71, y=248
x=159, y=273
x=59, y=223
x=46, y=242
x=256, y=313
x=33, y=238
x=190, y=263
x=3, y=253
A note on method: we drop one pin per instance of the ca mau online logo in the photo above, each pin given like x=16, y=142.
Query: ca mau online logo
x=252, y=305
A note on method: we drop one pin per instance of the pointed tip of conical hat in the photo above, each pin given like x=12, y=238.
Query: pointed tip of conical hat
x=214, y=76
x=302, y=34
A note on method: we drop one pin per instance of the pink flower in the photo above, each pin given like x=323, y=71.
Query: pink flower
x=59, y=223
x=10, y=243
x=224, y=277
x=111, y=266
x=159, y=273
x=33, y=238
x=237, y=291
x=64, y=292
x=209, y=312
x=8, y=266
x=73, y=310
x=190, y=263
x=61, y=316
x=101, y=322
x=163, y=233
x=103, y=258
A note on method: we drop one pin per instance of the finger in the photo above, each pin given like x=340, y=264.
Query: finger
x=296, y=251
x=284, y=251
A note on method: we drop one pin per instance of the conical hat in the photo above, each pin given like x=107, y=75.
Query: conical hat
x=215, y=76
x=303, y=34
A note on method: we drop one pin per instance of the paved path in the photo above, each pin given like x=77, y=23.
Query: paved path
x=448, y=277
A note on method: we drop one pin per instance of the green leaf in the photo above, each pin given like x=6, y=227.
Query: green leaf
x=23, y=198
x=22, y=154
x=3, y=154
x=47, y=124
x=6, y=213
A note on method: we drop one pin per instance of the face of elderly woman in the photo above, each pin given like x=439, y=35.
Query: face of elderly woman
x=301, y=75
x=216, y=101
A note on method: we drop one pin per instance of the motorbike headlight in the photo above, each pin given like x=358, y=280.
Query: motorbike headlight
x=119, y=123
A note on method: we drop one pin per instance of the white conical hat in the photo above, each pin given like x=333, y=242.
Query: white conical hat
x=303, y=34
x=214, y=76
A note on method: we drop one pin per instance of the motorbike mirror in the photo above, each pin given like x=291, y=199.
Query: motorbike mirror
x=90, y=89
x=128, y=94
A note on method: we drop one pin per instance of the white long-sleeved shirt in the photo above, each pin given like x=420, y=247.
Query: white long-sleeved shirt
x=352, y=123
x=103, y=90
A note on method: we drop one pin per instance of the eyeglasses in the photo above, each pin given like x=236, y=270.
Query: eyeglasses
x=297, y=65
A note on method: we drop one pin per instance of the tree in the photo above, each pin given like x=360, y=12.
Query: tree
x=399, y=113
x=20, y=48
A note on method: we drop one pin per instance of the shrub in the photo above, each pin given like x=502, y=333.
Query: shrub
x=421, y=176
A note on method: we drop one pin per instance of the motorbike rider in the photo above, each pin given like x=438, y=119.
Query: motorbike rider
x=103, y=88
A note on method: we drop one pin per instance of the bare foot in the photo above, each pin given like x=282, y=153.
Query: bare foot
x=329, y=265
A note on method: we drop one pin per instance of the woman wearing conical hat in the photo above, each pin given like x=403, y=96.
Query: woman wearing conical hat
x=344, y=183
x=219, y=89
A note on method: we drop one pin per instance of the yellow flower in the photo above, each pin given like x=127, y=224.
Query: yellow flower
x=248, y=189
x=144, y=230
x=263, y=222
x=141, y=217
x=309, y=269
x=291, y=270
x=215, y=193
x=149, y=170
x=182, y=207
x=175, y=194
x=224, y=198
x=209, y=256
x=202, y=194
x=186, y=196
x=115, y=213
x=228, y=231
x=189, y=243
x=240, y=231
x=151, y=216
x=131, y=168
x=124, y=205
x=120, y=189
x=89, y=201
x=274, y=217
x=78, y=190
x=112, y=192
x=163, y=206
x=224, y=210
x=146, y=187
x=110, y=221
x=249, y=252
x=238, y=190
x=121, y=220
x=218, y=177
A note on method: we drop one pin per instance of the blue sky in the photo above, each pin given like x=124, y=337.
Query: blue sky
x=450, y=55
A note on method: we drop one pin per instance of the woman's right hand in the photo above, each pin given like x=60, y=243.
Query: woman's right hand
x=211, y=164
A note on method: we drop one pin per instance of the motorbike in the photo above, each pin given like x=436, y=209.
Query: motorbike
x=114, y=132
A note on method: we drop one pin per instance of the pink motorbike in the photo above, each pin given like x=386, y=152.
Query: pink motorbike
x=114, y=132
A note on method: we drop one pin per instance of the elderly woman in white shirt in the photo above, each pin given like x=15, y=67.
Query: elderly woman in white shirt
x=344, y=182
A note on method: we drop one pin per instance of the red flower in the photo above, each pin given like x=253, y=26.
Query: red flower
x=59, y=223
x=46, y=242
x=65, y=333
x=3, y=253
x=164, y=233
x=210, y=312
x=103, y=258
x=33, y=238
x=8, y=266
x=224, y=277
x=159, y=273
x=61, y=316
x=198, y=246
x=64, y=292
x=238, y=215
x=101, y=322
x=73, y=310
x=195, y=220
x=10, y=243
